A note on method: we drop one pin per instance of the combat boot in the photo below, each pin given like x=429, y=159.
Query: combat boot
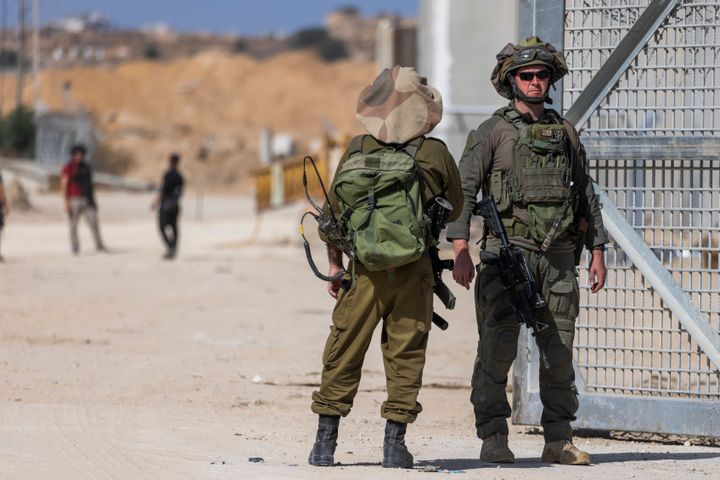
x=322, y=453
x=395, y=453
x=495, y=449
x=563, y=451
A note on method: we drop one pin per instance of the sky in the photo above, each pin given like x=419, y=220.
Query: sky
x=245, y=17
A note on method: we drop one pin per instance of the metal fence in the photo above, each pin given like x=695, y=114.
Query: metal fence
x=654, y=148
x=671, y=87
x=57, y=132
x=627, y=340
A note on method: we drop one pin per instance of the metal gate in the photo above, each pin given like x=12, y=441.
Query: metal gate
x=644, y=86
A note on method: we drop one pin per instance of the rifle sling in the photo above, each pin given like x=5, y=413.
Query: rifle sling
x=556, y=224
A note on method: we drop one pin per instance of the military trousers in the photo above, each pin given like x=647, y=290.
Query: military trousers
x=81, y=206
x=402, y=301
x=498, y=341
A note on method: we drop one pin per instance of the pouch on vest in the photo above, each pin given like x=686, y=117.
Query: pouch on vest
x=542, y=217
x=380, y=198
x=500, y=190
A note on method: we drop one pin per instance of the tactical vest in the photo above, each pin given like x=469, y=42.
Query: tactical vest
x=541, y=181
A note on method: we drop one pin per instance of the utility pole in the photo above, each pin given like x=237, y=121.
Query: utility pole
x=3, y=50
x=35, y=6
x=21, y=53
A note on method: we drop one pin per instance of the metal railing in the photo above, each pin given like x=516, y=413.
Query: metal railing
x=281, y=182
x=627, y=340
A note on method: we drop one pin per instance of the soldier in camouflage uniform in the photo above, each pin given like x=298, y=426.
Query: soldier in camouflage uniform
x=532, y=162
x=397, y=110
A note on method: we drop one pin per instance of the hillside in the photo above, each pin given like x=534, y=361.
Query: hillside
x=213, y=105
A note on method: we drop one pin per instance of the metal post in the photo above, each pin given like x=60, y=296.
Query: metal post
x=34, y=5
x=3, y=47
x=21, y=53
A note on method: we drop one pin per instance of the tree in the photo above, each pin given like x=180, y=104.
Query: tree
x=240, y=45
x=151, y=51
x=17, y=132
x=318, y=39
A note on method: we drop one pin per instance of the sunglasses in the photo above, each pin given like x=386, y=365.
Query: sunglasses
x=528, y=76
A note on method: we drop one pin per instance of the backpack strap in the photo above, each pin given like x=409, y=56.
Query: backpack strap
x=413, y=147
x=511, y=115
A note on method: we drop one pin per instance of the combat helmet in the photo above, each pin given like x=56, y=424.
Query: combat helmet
x=531, y=51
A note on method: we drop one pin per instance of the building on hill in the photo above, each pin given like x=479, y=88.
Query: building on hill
x=360, y=34
x=90, y=21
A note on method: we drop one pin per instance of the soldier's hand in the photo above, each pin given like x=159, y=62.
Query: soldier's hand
x=463, y=270
x=597, y=272
x=333, y=288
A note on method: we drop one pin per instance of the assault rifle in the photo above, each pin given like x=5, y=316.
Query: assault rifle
x=439, y=212
x=515, y=273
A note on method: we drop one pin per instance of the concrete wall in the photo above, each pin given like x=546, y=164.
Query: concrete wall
x=458, y=41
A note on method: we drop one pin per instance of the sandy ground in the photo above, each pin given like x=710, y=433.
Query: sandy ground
x=125, y=366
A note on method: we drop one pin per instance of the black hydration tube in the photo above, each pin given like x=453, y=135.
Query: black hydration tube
x=308, y=253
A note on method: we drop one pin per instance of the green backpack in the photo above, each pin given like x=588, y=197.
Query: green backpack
x=381, y=204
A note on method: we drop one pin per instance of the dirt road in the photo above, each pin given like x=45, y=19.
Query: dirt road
x=125, y=366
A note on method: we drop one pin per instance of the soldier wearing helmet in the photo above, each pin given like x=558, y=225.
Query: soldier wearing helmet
x=531, y=161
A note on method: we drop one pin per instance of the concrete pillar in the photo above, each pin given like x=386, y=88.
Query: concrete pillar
x=458, y=41
x=545, y=19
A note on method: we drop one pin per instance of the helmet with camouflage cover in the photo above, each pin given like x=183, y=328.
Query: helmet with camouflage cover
x=531, y=51
x=399, y=106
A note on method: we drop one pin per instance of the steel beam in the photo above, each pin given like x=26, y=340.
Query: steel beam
x=652, y=148
x=607, y=77
x=627, y=413
x=630, y=413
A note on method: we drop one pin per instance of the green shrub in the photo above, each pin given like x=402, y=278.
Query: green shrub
x=17, y=133
x=240, y=45
x=151, y=52
x=317, y=39
x=8, y=58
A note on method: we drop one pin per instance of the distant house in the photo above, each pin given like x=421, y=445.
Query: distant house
x=93, y=21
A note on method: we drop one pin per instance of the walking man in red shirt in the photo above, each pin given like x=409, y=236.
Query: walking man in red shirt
x=77, y=189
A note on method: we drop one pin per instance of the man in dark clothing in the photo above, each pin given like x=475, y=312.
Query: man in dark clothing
x=4, y=210
x=76, y=185
x=168, y=205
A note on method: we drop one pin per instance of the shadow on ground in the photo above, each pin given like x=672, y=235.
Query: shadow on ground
x=620, y=457
x=474, y=464
x=598, y=458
